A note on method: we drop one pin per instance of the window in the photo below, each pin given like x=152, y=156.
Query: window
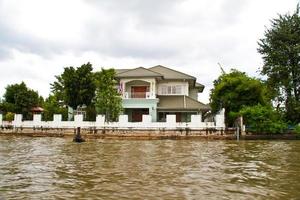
x=171, y=89
x=164, y=89
x=177, y=89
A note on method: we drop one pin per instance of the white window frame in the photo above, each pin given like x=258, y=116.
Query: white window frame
x=172, y=89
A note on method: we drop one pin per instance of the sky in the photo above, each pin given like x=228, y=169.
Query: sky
x=38, y=38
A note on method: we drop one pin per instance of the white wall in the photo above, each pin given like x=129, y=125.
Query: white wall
x=196, y=122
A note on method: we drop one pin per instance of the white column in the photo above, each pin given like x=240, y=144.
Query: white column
x=1, y=119
x=123, y=88
x=154, y=89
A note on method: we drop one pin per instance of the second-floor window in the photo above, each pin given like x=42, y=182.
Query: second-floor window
x=171, y=89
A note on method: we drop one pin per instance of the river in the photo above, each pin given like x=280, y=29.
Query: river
x=57, y=168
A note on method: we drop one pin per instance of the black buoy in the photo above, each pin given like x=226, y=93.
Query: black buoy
x=77, y=136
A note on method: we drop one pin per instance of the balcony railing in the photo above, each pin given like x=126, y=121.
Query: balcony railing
x=138, y=95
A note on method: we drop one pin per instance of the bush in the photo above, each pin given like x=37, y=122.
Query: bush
x=263, y=119
x=297, y=129
x=9, y=116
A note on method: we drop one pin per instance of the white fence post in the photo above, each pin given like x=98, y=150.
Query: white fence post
x=100, y=120
x=78, y=119
x=18, y=120
x=220, y=119
x=147, y=119
x=37, y=119
x=196, y=121
x=57, y=118
x=1, y=119
x=171, y=121
x=123, y=120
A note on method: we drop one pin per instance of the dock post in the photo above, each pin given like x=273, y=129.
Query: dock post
x=77, y=137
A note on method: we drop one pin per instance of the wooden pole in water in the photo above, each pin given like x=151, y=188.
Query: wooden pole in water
x=77, y=136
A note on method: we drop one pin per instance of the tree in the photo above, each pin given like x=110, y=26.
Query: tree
x=234, y=90
x=108, y=101
x=76, y=87
x=20, y=99
x=280, y=49
x=263, y=119
x=53, y=106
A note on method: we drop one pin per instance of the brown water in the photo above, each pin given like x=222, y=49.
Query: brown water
x=56, y=168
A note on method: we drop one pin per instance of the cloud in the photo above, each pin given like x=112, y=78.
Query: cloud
x=39, y=38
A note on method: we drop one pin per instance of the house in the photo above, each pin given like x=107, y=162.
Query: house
x=158, y=91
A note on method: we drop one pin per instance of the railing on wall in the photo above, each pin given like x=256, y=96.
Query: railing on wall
x=196, y=122
x=139, y=95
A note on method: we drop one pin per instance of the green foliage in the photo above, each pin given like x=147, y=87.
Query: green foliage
x=53, y=106
x=76, y=87
x=234, y=90
x=280, y=48
x=9, y=116
x=263, y=119
x=297, y=129
x=91, y=113
x=20, y=99
x=108, y=100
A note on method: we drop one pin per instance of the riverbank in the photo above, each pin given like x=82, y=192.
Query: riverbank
x=145, y=134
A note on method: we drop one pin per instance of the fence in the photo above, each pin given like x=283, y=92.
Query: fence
x=196, y=122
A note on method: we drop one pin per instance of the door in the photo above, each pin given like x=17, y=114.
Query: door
x=178, y=117
x=137, y=114
x=138, y=91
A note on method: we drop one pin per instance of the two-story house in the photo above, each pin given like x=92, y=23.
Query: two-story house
x=158, y=91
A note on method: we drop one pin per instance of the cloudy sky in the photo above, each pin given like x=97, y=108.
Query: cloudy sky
x=38, y=38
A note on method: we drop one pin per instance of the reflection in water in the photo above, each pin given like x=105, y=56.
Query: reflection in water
x=56, y=168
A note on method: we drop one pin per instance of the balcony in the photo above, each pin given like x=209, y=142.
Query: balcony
x=139, y=95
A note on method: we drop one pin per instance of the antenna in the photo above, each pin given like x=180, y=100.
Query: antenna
x=223, y=71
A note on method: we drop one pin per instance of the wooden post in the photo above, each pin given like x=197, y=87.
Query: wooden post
x=77, y=136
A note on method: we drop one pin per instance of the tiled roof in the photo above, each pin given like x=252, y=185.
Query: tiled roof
x=138, y=72
x=170, y=73
x=179, y=103
x=121, y=70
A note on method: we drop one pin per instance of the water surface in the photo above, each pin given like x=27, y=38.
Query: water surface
x=56, y=168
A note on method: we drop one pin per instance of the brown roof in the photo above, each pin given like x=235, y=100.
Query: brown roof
x=37, y=109
x=158, y=71
x=170, y=73
x=137, y=72
x=178, y=103
x=199, y=86
x=121, y=70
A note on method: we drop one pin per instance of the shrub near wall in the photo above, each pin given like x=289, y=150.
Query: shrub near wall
x=297, y=129
x=9, y=116
x=263, y=119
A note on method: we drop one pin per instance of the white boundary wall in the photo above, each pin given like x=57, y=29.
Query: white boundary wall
x=196, y=122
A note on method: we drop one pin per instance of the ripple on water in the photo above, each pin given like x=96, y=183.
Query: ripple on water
x=56, y=168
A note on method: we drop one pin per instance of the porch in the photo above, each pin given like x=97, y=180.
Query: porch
x=138, y=89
